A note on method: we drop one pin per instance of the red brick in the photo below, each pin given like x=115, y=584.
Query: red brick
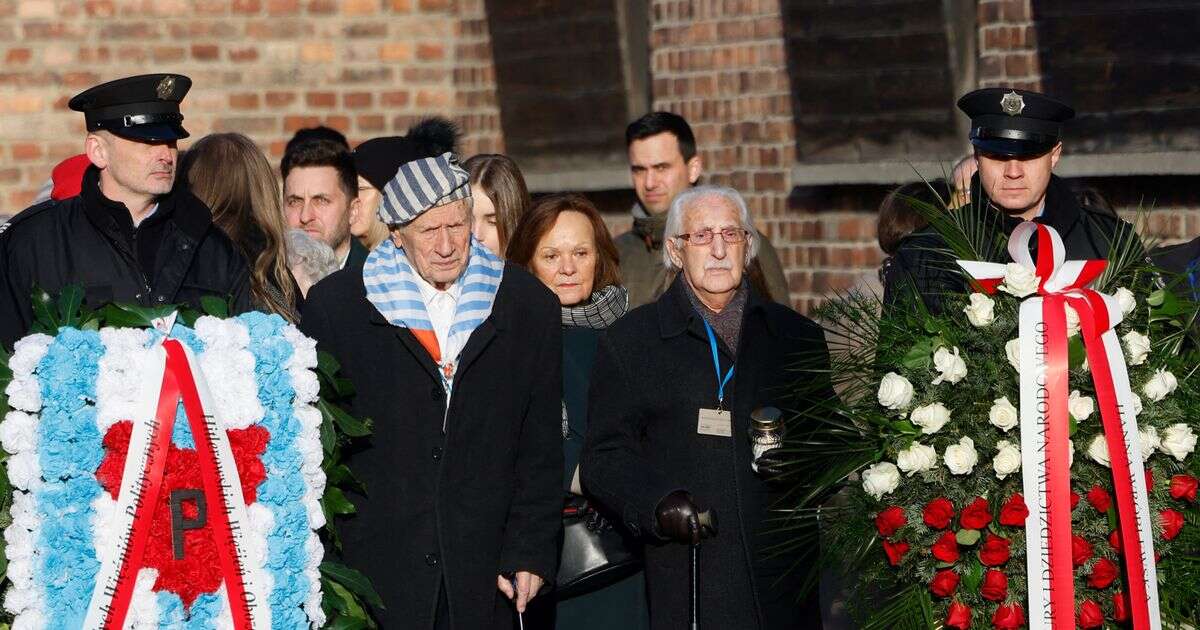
x=283, y=7
x=243, y=101
x=371, y=123
x=356, y=100
x=243, y=55
x=292, y=124
x=434, y=5
x=25, y=151
x=280, y=99
x=18, y=55
x=99, y=8
x=321, y=99
x=322, y=7
x=400, y=6
x=206, y=52
x=431, y=52
x=10, y=175
x=397, y=98
x=246, y=7
x=169, y=54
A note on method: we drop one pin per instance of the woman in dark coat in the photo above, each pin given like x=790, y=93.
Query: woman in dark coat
x=564, y=242
x=649, y=457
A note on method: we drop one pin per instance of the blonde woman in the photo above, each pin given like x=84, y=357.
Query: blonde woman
x=230, y=174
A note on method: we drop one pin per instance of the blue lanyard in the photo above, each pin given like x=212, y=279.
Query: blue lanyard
x=712, y=342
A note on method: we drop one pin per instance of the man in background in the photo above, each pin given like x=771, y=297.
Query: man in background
x=320, y=188
x=663, y=163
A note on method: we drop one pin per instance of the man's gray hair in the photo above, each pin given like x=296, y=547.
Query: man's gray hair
x=689, y=198
x=315, y=259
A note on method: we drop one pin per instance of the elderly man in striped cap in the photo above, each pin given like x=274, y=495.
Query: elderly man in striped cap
x=456, y=357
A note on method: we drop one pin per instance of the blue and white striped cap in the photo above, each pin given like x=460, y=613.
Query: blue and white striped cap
x=421, y=185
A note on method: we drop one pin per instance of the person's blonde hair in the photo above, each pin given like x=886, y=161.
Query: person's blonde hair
x=230, y=174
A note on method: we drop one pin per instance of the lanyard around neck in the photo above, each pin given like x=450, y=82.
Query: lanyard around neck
x=721, y=382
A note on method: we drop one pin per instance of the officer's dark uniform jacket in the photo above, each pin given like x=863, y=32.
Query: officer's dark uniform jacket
x=174, y=257
x=923, y=260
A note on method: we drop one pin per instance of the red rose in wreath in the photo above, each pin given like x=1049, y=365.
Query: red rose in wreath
x=995, y=551
x=976, y=515
x=1172, y=523
x=1014, y=512
x=938, y=513
x=995, y=586
x=1183, y=487
x=1081, y=550
x=1090, y=615
x=895, y=551
x=1009, y=617
x=1099, y=499
x=889, y=520
x=1103, y=573
x=946, y=548
x=959, y=616
x=944, y=583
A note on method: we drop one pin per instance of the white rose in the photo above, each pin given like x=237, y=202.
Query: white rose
x=1070, y=453
x=1126, y=300
x=1098, y=450
x=1160, y=385
x=916, y=458
x=1137, y=346
x=1072, y=320
x=881, y=479
x=1003, y=414
x=931, y=418
x=1012, y=350
x=961, y=458
x=950, y=366
x=981, y=311
x=1136, y=405
x=1149, y=441
x=1019, y=280
x=1007, y=460
x=1080, y=406
x=1178, y=441
x=895, y=392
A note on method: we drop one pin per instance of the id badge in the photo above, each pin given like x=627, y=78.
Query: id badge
x=718, y=422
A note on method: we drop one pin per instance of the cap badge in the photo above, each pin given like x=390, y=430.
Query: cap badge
x=167, y=86
x=1012, y=104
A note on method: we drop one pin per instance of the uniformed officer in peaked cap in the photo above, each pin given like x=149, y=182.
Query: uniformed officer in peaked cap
x=1018, y=140
x=131, y=235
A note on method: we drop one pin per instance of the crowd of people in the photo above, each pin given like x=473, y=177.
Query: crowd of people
x=522, y=366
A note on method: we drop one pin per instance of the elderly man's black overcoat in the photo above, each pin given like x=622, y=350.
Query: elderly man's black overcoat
x=482, y=499
x=653, y=372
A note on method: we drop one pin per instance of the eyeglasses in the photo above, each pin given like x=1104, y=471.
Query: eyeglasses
x=704, y=237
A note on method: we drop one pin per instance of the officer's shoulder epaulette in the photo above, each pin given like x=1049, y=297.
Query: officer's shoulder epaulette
x=27, y=214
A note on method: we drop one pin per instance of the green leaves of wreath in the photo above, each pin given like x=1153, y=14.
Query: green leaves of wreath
x=347, y=593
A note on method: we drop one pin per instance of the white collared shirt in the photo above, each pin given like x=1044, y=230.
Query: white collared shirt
x=441, y=306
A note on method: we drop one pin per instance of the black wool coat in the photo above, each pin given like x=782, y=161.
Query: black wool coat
x=89, y=240
x=653, y=373
x=923, y=263
x=460, y=507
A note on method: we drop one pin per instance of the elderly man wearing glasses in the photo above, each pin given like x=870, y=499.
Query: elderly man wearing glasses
x=673, y=389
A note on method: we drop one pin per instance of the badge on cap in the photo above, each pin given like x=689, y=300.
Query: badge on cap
x=166, y=87
x=1012, y=104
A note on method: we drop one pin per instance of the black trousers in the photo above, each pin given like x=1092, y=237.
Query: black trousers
x=441, y=618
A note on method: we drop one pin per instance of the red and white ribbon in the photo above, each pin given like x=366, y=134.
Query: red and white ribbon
x=1045, y=427
x=141, y=483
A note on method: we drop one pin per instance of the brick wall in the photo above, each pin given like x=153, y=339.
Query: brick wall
x=261, y=67
x=1008, y=45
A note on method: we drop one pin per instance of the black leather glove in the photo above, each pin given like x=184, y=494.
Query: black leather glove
x=771, y=464
x=681, y=521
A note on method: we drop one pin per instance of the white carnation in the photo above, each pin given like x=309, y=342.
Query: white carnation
x=24, y=471
x=1126, y=300
x=24, y=393
x=1137, y=346
x=1136, y=405
x=1098, y=450
x=1019, y=280
x=1160, y=385
x=1007, y=460
x=28, y=352
x=18, y=432
x=1149, y=441
x=1070, y=453
x=1080, y=406
x=961, y=458
x=881, y=479
x=1178, y=441
x=931, y=418
x=916, y=458
x=1012, y=350
x=895, y=392
x=950, y=366
x=1003, y=415
x=304, y=349
x=981, y=311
